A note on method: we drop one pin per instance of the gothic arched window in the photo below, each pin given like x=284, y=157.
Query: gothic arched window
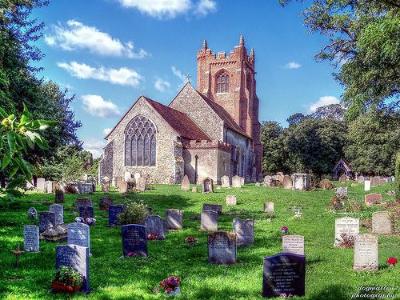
x=223, y=83
x=140, y=142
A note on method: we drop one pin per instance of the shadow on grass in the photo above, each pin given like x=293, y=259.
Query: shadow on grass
x=333, y=292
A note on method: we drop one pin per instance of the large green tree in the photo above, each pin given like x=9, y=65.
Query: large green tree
x=364, y=42
x=373, y=140
x=272, y=139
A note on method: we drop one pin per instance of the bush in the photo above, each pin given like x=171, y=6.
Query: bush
x=69, y=276
x=134, y=213
x=397, y=170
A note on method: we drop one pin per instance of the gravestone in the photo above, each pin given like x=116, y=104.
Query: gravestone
x=230, y=200
x=209, y=220
x=381, y=222
x=141, y=184
x=269, y=207
x=105, y=203
x=225, y=181
x=58, y=196
x=58, y=211
x=208, y=185
x=241, y=181
x=85, y=188
x=128, y=176
x=82, y=202
x=284, y=275
x=287, y=182
x=301, y=181
x=194, y=189
x=343, y=178
x=123, y=186
x=174, y=219
x=372, y=199
x=49, y=187
x=244, y=230
x=267, y=180
x=280, y=176
x=78, y=234
x=32, y=213
x=375, y=181
x=341, y=192
x=31, y=238
x=113, y=213
x=155, y=226
x=136, y=176
x=236, y=181
x=258, y=184
x=367, y=185
x=214, y=207
x=105, y=187
x=361, y=179
x=346, y=226
x=222, y=247
x=293, y=244
x=185, y=185
x=76, y=257
x=86, y=212
x=47, y=219
x=366, y=253
x=41, y=185
x=134, y=241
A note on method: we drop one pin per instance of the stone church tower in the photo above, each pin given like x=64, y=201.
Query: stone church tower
x=229, y=80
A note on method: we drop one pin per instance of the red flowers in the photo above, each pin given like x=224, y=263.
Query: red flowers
x=170, y=284
x=284, y=230
x=152, y=236
x=191, y=240
x=392, y=261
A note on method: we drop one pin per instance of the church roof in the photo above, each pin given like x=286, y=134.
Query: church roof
x=179, y=121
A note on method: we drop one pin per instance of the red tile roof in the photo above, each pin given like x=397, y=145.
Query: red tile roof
x=179, y=121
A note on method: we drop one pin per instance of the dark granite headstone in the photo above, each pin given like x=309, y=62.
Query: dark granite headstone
x=58, y=211
x=174, y=219
x=59, y=196
x=155, y=226
x=134, y=241
x=113, y=213
x=222, y=247
x=214, y=207
x=76, y=257
x=79, y=234
x=86, y=212
x=105, y=203
x=82, y=202
x=31, y=238
x=47, y=219
x=208, y=185
x=284, y=275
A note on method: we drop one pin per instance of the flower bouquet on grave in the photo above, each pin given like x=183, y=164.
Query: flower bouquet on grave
x=392, y=261
x=152, y=237
x=346, y=241
x=67, y=280
x=171, y=285
x=191, y=241
x=284, y=230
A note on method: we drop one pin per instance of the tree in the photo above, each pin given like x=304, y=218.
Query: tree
x=295, y=119
x=332, y=111
x=397, y=175
x=363, y=43
x=373, y=141
x=274, y=152
x=18, y=137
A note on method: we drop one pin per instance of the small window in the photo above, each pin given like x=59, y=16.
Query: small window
x=223, y=83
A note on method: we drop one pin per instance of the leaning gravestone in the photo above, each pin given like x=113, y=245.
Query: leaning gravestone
x=367, y=185
x=209, y=220
x=58, y=211
x=208, y=185
x=174, y=219
x=41, y=185
x=86, y=212
x=225, y=181
x=269, y=208
x=76, y=257
x=185, y=185
x=244, y=230
x=222, y=247
x=134, y=241
x=155, y=226
x=141, y=184
x=372, y=199
x=284, y=275
x=214, y=207
x=381, y=222
x=366, y=253
x=47, y=219
x=346, y=227
x=236, y=181
x=79, y=234
x=287, y=182
x=31, y=238
x=105, y=203
x=293, y=244
x=113, y=213
x=230, y=200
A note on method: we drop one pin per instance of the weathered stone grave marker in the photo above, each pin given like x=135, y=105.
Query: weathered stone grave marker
x=244, y=230
x=174, y=219
x=209, y=220
x=366, y=253
x=346, y=228
x=47, y=219
x=58, y=211
x=113, y=213
x=381, y=222
x=31, y=238
x=293, y=244
x=134, y=241
x=78, y=234
x=155, y=226
x=222, y=247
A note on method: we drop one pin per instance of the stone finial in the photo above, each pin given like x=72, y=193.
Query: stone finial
x=205, y=46
x=241, y=40
x=252, y=53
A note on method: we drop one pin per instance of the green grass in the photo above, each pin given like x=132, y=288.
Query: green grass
x=329, y=273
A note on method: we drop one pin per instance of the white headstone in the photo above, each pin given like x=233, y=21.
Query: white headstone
x=367, y=185
x=293, y=244
x=348, y=226
x=366, y=253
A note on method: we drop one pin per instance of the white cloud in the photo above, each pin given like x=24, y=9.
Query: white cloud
x=178, y=73
x=76, y=35
x=293, y=65
x=161, y=85
x=170, y=8
x=97, y=106
x=94, y=146
x=204, y=7
x=323, y=101
x=121, y=76
x=106, y=131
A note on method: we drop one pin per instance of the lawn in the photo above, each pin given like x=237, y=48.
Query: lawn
x=329, y=273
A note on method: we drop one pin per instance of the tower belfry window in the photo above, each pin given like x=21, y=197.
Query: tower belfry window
x=223, y=83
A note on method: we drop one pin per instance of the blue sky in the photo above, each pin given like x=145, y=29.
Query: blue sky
x=109, y=52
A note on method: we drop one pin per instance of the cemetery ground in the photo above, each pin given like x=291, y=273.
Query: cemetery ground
x=329, y=270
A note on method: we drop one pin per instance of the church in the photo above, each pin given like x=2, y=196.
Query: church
x=210, y=130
